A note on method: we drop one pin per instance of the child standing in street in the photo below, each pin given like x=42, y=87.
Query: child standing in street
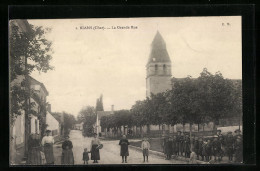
x=192, y=157
x=145, y=147
x=85, y=156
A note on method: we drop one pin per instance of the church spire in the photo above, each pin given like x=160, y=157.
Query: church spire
x=158, y=50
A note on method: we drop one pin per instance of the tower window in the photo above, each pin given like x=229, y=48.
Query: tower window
x=156, y=67
x=164, y=68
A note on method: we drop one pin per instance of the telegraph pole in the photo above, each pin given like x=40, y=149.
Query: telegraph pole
x=27, y=110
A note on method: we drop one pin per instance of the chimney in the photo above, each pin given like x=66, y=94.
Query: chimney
x=49, y=108
x=112, y=108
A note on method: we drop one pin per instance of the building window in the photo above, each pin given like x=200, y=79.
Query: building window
x=36, y=125
x=164, y=67
x=156, y=68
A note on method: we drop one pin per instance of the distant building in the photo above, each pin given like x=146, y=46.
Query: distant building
x=99, y=129
x=158, y=68
x=53, y=124
x=79, y=126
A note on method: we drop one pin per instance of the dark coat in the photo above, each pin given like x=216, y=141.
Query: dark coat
x=67, y=143
x=174, y=146
x=168, y=148
x=124, y=147
x=229, y=145
x=181, y=144
x=216, y=147
x=239, y=151
x=67, y=156
x=186, y=145
x=200, y=149
x=85, y=156
x=208, y=149
x=196, y=146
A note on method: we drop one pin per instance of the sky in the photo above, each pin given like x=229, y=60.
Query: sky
x=89, y=62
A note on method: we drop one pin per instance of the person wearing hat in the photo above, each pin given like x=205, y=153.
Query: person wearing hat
x=229, y=143
x=196, y=147
x=200, y=148
x=181, y=143
x=95, y=143
x=237, y=133
x=67, y=157
x=216, y=148
x=238, y=150
x=208, y=150
x=47, y=143
x=145, y=147
x=169, y=148
x=219, y=132
x=124, y=149
x=174, y=146
x=186, y=146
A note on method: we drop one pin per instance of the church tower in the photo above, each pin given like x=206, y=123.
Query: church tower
x=158, y=68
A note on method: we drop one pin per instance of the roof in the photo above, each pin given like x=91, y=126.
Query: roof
x=104, y=113
x=39, y=83
x=23, y=25
x=158, y=50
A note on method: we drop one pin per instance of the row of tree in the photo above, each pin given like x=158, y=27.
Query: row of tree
x=205, y=99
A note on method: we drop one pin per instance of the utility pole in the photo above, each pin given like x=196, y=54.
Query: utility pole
x=27, y=110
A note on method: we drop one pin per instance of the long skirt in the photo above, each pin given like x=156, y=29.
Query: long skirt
x=34, y=156
x=48, y=151
x=95, y=153
x=124, y=151
x=67, y=157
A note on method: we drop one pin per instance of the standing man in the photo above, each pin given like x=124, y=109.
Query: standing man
x=239, y=150
x=94, y=149
x=196, y=147
x=229, y=142
x=186, y=146
x=200, y=148
x=181, y=144
x=178, y=141
x=124, y=149
x=216, y=148
x=174, y=146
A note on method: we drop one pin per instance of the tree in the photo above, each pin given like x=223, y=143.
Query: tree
x=69, y=122
x=88, y=116
x=28, y=51
x=216, y=99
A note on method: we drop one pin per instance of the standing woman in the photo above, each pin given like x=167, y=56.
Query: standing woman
x=124, y=149
x=94, y=149
x=34, y=155
x=67, y=154
x=47, y=143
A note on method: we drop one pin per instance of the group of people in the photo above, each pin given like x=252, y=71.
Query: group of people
x=205, y=148
x=40, y=152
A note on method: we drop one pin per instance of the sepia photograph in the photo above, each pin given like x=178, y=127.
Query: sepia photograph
x=146, y=90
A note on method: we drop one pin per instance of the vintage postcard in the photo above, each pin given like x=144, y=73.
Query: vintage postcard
x=155, y=90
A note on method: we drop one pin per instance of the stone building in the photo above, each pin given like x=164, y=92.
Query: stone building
x=158, y=68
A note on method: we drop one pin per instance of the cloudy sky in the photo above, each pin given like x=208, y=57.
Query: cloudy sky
x=112, y=62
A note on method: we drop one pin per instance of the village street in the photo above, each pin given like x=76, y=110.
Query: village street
x=109, y=154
